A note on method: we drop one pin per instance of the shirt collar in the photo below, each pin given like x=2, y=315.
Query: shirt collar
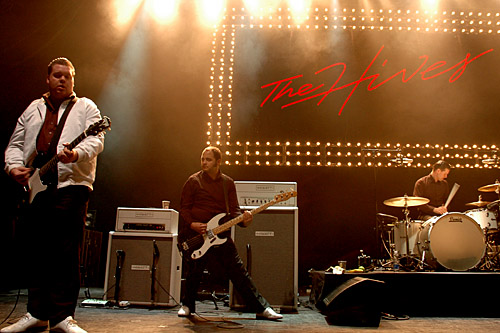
x=51, y=107
x=207, y=176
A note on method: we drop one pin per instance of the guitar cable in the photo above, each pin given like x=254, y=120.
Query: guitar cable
x=14, y=308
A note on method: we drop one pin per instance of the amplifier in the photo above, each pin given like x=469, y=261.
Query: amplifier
x=269, y=250
x=147, y=220
x=143, y=269
x=257, y=193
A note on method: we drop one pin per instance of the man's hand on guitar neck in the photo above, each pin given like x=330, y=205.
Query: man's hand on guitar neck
x=67, y=156
x=199, y=227
x=247, y=219
x=21, y=175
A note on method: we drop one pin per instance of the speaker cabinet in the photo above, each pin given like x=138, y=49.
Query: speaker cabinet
x=269, y=248
x=132, y=261
x=356, y=302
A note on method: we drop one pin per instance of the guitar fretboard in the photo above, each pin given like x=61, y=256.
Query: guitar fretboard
x=223, y=227
x=54, y=160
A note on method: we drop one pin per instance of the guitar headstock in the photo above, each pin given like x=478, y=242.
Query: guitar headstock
x=284, y=196
x=99, y=126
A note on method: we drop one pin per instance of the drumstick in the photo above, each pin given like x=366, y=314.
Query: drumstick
x=452, y=194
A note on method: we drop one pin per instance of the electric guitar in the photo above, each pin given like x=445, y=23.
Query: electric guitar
x=35, y=182
x=198, y=245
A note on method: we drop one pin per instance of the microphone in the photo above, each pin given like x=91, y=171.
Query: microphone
x=402, y=160
x=120, y=254
x=490, y=161
x=156, y=251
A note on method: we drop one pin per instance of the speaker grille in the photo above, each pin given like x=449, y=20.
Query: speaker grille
x=137, y=263
x=269, y=249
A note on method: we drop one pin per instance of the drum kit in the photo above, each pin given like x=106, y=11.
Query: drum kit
x=452, y=241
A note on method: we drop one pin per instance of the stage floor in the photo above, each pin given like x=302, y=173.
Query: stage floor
x=134, y=319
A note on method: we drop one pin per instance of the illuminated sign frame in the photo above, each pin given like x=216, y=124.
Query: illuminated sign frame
x=336, y=154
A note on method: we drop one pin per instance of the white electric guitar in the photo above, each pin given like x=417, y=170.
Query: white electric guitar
x=35, y=182
x=198, y=245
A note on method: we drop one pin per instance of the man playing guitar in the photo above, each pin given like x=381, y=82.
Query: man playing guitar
x=204, y=195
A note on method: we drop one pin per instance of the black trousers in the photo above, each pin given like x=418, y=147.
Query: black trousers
x=227, y=257
x=55, y=230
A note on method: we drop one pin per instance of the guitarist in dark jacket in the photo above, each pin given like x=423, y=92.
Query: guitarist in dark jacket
x=56, y=216
x=204, y=195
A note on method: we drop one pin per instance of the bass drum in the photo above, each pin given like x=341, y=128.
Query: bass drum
x=453, y=240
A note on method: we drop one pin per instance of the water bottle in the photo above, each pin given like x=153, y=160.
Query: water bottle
x=364, y=260
x=396, y=265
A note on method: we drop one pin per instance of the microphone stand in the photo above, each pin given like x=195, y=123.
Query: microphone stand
x=120, y=255
x=156, y=255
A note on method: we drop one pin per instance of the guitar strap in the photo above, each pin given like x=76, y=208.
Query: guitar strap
x=224, y=185
x=51, y=176
x=57, y=134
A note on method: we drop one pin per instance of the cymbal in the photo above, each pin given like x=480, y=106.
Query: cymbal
x=386, y=216
x=478, y=203
x=406, y=201
x=489, y=188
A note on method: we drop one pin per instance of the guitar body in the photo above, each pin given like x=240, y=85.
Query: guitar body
x=195, y=247
x=35, y=185
x=198, y=245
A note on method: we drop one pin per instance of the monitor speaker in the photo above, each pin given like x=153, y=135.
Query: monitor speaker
x=268, y=248
x=356, y=302
x=143, y=269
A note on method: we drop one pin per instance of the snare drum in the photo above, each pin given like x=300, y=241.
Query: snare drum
x=484, y=217
x=454, y=240
x=400, y=236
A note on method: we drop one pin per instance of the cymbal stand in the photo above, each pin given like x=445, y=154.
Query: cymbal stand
x=395, y=257
x=406, y=212
x=408, y=256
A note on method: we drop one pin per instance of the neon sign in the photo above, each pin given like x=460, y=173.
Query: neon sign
x=283, y=88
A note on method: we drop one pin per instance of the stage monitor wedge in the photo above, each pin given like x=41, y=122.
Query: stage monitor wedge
x=356, y=302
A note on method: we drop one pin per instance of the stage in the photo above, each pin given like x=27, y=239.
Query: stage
x=307, y=317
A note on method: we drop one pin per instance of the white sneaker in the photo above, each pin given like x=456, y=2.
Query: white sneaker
x=68, y=325
x=184, y=311
x=269, y=313
x=27, y=322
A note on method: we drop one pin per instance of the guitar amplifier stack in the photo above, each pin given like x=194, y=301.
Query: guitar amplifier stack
x=269, y=246
x=143, y=264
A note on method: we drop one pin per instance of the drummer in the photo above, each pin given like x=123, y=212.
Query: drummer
x=435, y=188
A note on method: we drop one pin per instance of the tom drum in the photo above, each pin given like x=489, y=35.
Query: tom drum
x=484, y=217
x=453, y=240
x=400, y=236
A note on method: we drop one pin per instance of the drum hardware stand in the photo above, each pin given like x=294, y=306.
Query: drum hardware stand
x=409, y=257
x=491, y=261
x=421, y=262
x=406, y=202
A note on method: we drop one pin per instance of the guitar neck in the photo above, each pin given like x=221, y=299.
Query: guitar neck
x=54, y=160
x=225, y=226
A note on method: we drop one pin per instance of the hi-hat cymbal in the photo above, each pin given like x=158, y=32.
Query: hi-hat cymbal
x=489, y=188
x=478, y=203
x=406, y=201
